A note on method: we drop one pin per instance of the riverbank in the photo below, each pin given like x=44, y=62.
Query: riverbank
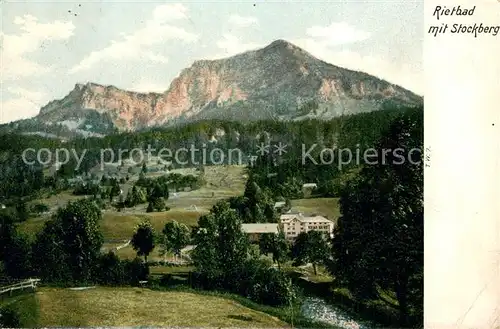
x=357, y=314
x=318, y=309
x=291, y=315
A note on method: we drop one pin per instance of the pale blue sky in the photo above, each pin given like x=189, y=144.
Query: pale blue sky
x=46, y=49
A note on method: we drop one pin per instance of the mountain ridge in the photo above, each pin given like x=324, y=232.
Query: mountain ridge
x=280, y=81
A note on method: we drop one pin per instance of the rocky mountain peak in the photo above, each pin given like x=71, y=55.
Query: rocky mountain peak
x=274, y=81
x=281, y=45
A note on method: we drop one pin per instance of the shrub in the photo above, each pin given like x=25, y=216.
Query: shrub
x=136, y=270
x=9, y=318
x=111, y=270
x=87, y=189
x=39, y=208
x=254, y=280
x=271, y=287
x=159, y=204
x=166, y=280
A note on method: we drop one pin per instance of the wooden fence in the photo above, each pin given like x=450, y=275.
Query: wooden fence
x=30, y=283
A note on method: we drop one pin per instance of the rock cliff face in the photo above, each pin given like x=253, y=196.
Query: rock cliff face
x=272, y=82
x=125, y=109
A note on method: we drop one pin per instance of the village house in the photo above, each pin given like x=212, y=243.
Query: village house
x=294, y=224
x=291, y=224
x=255, y=230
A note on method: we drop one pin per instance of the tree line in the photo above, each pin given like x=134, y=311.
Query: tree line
x=344, y=132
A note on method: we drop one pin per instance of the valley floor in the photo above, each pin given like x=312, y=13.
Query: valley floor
x=221, y=182
x=135, y=306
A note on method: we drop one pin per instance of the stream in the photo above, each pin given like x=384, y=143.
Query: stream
x=317, y=309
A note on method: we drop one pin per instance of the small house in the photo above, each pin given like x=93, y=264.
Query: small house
x=255, y=230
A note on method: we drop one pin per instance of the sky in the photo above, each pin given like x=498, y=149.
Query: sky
x=47, y=47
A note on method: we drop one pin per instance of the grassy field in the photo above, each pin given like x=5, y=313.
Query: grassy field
x=59, y=200
x=116, y=225
x=144, y=307
x=179, y=270
x=221, y=182
x=33, y=225
x=130, y=254
x=307, y=272
x=328, y=207
x=120, y=225
x=26, y=305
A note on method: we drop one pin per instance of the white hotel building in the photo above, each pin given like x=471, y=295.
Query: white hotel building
x=294, y=224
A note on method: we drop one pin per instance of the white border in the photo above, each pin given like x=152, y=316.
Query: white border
x=462, y=107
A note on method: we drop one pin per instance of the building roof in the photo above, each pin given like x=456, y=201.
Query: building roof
x=310, y=185
x=304, y=219
x=316, y=219
x=260, y=228
x=279, y=204
x=290, y=216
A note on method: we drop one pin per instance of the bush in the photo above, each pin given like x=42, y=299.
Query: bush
x=17, y=260
x=254, y=280
x=22, y=213
x=166, y=280
x=136, y=271
x=264, y=284
x=111, y=270
x=200, y=280
x=39, y=208
x=9, y=318
x=159, y=204
x=87, y=189
x=271, y=287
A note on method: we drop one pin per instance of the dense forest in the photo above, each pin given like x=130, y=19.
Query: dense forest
x=286, y=171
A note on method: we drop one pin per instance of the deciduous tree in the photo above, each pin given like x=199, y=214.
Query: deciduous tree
x=82, y=238
x=221, y=245
x=275, y=244
x=143, y=240
x=175, y=237
x=379, y=238
x=311, y=247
